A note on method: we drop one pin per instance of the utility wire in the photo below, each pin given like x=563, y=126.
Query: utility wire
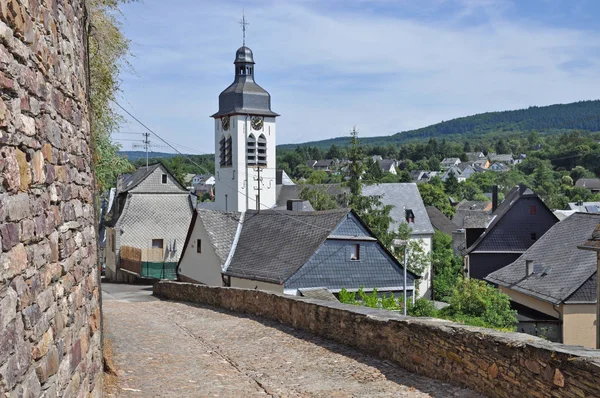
x=206, y=170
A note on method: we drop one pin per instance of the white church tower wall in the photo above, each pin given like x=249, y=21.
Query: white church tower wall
x=245, y=138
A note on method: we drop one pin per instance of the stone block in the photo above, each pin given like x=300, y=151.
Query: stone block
x=43, y=345
x=45, y=299
x=31, y=388
x=11, y=171
x=27, y=230
x=24, y=171
x=18, y=207
x=37, y=165
x=10, y=235
x=48, y=366
x=13, y=262
x=27, y=122
x=31, y=316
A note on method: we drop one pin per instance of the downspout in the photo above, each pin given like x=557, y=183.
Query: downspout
x=560, y=317
x=236, y=238
x=246, y=159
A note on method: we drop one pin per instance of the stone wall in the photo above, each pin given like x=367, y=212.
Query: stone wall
x=494, y=363
x=50, y=337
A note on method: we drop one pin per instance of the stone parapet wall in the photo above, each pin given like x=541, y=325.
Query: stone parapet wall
x=494, y=363
x=50, y=338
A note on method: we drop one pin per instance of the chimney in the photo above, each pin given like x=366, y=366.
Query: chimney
x=494, y=198
x=294, y=204
x=529, y=267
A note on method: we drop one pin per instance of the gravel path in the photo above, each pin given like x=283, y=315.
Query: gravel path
x=168, y=349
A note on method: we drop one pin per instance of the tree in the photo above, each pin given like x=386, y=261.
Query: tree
x=111, y=49
x=447, y=267
x=476, y=303
x=434, y=195
x=451, y=185
x=369, y=208
x=434, y=164
x=467, y=147
x=334, y=152
x=318, y=198
x=579, y=172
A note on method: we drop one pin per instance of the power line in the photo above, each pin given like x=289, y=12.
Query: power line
x=203, y=168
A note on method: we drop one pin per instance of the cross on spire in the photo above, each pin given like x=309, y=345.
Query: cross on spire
x=244, y=23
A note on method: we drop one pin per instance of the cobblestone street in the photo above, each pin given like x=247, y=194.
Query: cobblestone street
x=168, y=349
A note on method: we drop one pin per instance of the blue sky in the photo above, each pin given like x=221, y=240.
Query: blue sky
x=383, y=65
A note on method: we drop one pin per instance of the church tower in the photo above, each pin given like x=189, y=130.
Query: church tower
x=245, y=167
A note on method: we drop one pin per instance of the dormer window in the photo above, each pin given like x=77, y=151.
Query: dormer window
x=410, y=216
x=355, y=252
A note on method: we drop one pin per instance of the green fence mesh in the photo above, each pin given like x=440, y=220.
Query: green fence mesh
x=159, y=270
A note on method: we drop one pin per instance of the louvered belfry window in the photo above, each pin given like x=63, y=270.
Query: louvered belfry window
x=251, y=150
x=225, y=154
x=262, y=150
x=222, y=160
x=228, y=152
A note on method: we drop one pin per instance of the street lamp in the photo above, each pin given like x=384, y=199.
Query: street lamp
x=404, y=244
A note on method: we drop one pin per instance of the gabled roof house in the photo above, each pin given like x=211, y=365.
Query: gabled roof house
x=148, y=212
x=555, y=281
x=516, y=224
x=289, y=252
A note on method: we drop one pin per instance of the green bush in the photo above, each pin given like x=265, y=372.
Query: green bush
x=347, y=297
x=476, y=303
x=422, y=307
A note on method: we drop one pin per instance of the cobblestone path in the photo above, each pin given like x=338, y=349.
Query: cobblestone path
x=168, y=349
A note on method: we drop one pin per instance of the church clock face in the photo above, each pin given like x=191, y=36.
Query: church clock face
x=225, y=123
x=257, y=122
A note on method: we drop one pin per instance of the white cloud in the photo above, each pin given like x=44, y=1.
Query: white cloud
x=329, y=68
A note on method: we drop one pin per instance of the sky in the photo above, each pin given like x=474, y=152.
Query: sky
x=383, y=66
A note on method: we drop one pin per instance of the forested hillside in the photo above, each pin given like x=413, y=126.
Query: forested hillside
x=584, y=115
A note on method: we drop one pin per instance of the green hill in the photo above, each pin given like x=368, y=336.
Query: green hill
x=135, y=155
x=583, y=115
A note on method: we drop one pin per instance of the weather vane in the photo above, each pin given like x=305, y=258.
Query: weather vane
x=244, y=23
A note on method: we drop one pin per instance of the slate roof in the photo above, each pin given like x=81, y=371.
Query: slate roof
x=470, y=208
x=130, y=181
x=288, y=192
x=402, y=196
x=585, y=207
x=450, y=161
x=275, y=244
x=504, y=242
x=220, y=226
x=563, y=271
x=399, y=195
x=501, y=157
x=386, y=164
x=244, y=96
x=589, y=183
x=472, y=156
x=440, y=221
x=324, y=163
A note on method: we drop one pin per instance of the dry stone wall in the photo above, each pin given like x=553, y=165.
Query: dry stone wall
x=494, y=363
x=49, y=292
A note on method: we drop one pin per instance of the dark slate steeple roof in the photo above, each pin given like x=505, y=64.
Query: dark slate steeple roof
x=244, y=96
